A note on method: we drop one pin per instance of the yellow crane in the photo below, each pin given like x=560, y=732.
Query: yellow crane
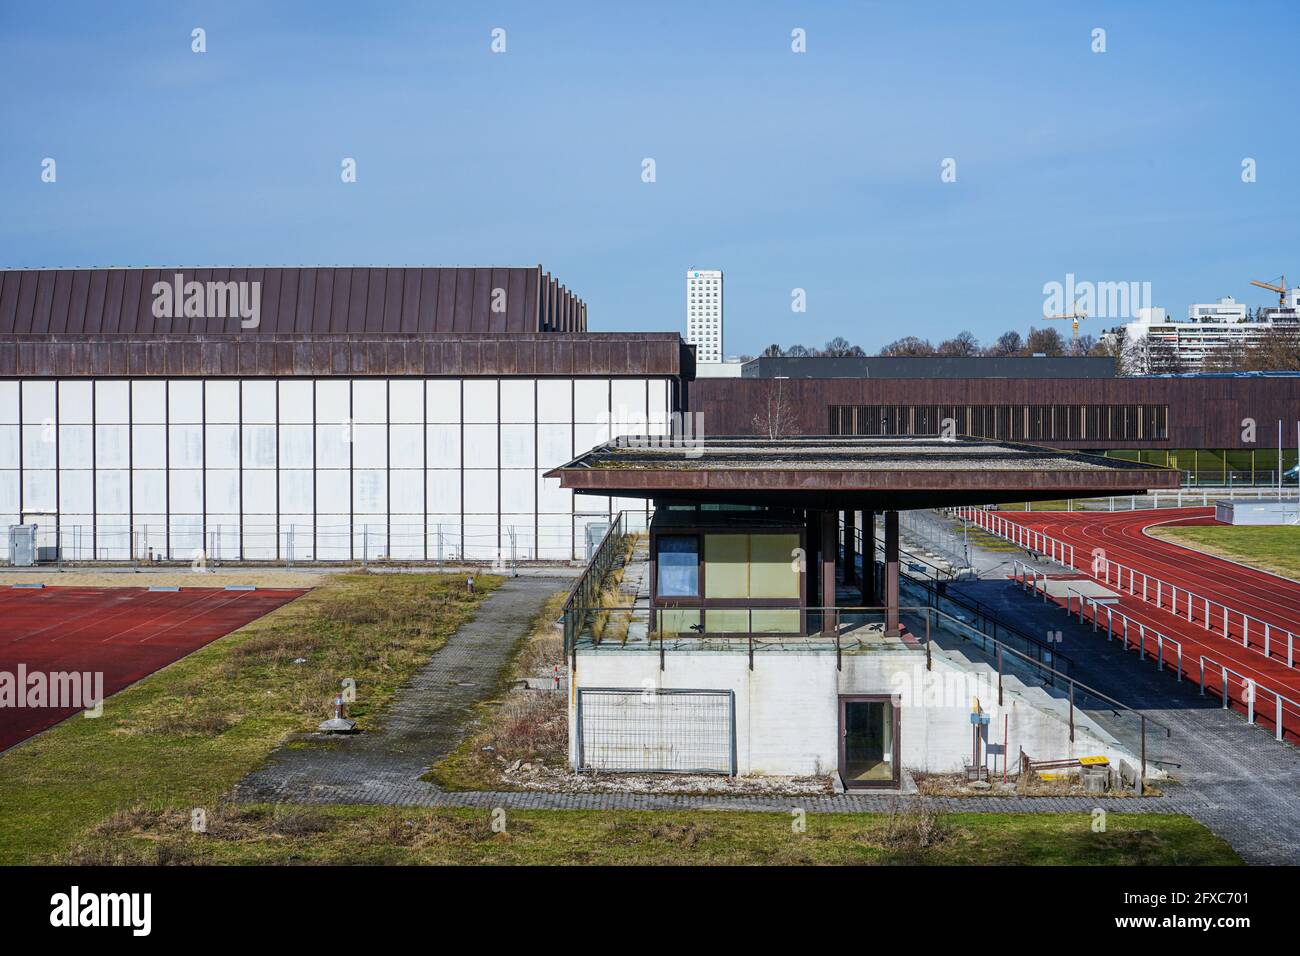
x=1076, y=316
x=1279, y=289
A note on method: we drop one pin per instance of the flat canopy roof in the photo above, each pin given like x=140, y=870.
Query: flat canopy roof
x=850, y=473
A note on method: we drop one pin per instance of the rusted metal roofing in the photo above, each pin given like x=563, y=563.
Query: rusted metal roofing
x=849, y=473
x=258, y=353
x=293, y=300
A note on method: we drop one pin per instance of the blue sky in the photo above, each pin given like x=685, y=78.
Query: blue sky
x=818, y=171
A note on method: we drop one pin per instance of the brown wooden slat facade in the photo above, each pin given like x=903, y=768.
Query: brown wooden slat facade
x=1202, y=412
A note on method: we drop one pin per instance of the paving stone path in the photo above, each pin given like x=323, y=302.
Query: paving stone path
x=426, y=719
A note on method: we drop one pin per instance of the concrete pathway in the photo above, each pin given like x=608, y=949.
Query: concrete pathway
x=426, y=719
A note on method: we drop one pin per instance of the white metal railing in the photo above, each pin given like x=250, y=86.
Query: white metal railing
x=1053, y=549
x=1214, y=616
x=1161, y=640
x=1282, y=706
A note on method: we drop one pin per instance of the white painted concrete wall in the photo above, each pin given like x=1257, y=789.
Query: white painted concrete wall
x=787, y=717
x=408, y=467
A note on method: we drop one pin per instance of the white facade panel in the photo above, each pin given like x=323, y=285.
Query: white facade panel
x=443, y=446
x=296, y=446
x=518, y=449
x=333, y=401
x=112, y=446
x=406, y=491
x=517, y=400
x=370, y=400
x=518, y=491
x=221, y=446
x=9, y=445
x=9, y=403
x=113, y=491
x=333, y=492
x=369, y=446
x=76, y=406
x=480, y=400
x=444, y=492
x=406, y=446
x=259, y=445
x=171, y=457
x=76, y=446
x=555, y=401
x=591, y=400
x=406, y=401
x=221, y=401
x=297, y=401
x=443, y=397
x=184, y=402
x=38, y=445
x=480, y=446
x=480, y=491
x=38, y=402
x=112, y=402
x=297, y=492
x=149, y=446
x=148, y=402
x=76, y=492
x=259, y=493
x=259, y=401
x=554, y=445
x=185, y=446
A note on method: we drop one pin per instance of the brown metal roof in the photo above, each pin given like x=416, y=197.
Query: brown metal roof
x=294, y=300
x=857, y=473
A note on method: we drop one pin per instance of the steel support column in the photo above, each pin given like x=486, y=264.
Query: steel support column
x=891, y=574
x=869, y=596
x=850, y=547
x=829, y=550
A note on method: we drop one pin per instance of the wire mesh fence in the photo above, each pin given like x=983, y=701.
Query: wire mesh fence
x=656, y=731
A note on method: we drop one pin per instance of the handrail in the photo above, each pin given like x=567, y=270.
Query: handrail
x=1198, y=607
x=589, y=582
x=1249, y=702
x=1054, y=549
x=985, y=613
x=1161, y=638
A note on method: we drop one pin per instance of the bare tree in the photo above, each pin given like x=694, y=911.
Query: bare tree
x=798, y=351
x=773, y=351
x=1047, y=341
x=908, y=345
x=776, y=416
x=963, y=343
x=837, y=347
x=1008, y=343
x=1277, y=350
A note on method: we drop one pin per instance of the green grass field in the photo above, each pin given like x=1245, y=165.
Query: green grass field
x=184, y=735
x=1270, y=549
x=385, y=835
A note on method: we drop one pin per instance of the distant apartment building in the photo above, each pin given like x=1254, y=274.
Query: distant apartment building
x=1214, y=335
x=704, y=313
x=1225, y=310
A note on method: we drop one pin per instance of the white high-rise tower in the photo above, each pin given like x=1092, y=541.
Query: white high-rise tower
x=704, y=313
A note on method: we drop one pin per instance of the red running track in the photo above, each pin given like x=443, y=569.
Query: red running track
x=1264, y=596
x=125, y=633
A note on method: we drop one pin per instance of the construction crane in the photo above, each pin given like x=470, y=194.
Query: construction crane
x=1279, y=289
x=1077, y=316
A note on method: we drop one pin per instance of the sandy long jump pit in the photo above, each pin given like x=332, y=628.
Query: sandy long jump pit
x=122, y=633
